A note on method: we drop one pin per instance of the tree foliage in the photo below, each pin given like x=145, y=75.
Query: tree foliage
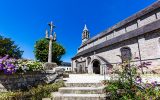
x=42, y=48
x=8, y=47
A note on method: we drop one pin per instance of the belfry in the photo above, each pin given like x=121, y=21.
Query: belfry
x=85, y=34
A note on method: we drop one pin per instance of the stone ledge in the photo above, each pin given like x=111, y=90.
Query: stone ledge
x=58, y=96
x=81, y=90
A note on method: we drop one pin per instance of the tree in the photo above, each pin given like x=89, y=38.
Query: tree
x=7, y=47
x=42, y=48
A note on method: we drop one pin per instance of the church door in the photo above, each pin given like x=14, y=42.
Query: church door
x=80, y=69
x=96, y=67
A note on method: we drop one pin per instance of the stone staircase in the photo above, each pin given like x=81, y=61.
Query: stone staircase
x=80, y=90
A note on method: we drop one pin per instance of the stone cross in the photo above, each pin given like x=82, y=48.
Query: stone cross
x=50, y=42
x=51, y=27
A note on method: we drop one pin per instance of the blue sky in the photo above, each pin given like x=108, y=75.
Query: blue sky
x=25, y=21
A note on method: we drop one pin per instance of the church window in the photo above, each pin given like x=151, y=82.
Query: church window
x=126, y=53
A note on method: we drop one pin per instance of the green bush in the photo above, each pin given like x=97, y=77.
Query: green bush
x=36, y=93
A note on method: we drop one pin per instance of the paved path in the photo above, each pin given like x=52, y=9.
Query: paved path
x=85, y=78
x=95, y=78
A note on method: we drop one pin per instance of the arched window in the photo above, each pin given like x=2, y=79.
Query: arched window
x=126, y=54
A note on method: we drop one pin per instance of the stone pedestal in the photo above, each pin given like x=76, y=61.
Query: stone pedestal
x=50, y=66
x=53, y=72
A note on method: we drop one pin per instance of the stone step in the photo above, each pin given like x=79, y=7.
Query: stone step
x=46, y=98
x=67, y=84
x=59, y=96
x=81, y=90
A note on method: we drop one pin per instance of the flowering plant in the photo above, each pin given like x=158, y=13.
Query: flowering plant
x=8, y=65
x=131, y=85
x=11, y=65
x=29, y=65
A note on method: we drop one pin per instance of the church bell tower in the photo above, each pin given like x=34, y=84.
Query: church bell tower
x=85, y=34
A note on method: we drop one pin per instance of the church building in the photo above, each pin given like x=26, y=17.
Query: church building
x=136, y=38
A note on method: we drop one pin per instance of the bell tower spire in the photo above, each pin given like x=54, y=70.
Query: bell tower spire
x=85, y=34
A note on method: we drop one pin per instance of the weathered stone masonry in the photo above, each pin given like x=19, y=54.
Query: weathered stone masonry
x=27, y=80
x=140, y=33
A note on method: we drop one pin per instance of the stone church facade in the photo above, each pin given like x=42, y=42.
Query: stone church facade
x=136, y=38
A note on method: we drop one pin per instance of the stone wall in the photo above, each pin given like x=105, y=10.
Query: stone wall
x=146, y=47
x=24, y=81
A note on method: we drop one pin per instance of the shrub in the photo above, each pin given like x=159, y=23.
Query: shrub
x=129, y=86
x=36, y=93
x=7, y=65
